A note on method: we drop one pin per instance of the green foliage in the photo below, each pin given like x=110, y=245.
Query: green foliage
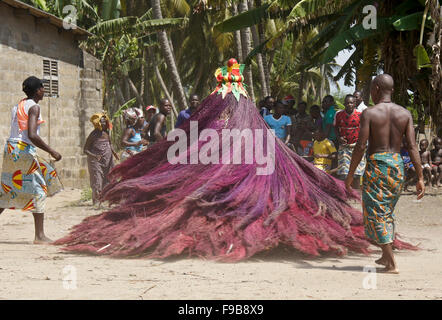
x=127, y=105
x=410, y=22
x=422, y=59
x=243, y=20
x=86, y=194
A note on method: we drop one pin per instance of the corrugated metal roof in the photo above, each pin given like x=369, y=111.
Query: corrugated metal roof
x=44, y=15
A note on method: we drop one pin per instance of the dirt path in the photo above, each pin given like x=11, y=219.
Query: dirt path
x=43, y=272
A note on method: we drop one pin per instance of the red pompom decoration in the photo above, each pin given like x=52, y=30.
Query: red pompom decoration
x=231, y=62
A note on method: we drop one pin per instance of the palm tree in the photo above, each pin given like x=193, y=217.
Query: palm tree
x=169, y=57
x=394, y=41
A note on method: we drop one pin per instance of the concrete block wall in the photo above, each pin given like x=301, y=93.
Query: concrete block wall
x=24, y=43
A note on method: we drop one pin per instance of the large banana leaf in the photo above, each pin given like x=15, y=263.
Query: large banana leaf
x=410, y=22
x=337, y=26
x=347, y=38
x=422, y=59
x=244, y=20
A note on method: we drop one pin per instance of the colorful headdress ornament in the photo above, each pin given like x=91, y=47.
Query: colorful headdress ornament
x=148, y=108
x=95, y=119
x=230, y=79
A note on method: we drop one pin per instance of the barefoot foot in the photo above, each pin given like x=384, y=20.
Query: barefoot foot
x=381, y=261
x=42, y=240
x=390, y=270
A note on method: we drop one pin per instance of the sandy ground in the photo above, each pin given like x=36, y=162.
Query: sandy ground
x=30, y=271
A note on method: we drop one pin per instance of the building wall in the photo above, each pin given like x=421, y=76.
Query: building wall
x=24, y=42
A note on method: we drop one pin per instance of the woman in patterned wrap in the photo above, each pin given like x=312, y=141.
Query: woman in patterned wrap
x=26, y=179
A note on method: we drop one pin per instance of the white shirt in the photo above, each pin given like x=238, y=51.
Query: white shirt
x=361, y=107
x=15, y=131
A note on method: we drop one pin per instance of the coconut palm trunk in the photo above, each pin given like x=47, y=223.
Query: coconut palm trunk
x=246, y=48
x=237, y=36
x=169, y=58
x=259, y=61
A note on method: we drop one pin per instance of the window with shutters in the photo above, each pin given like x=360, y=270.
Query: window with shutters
x=50, y=78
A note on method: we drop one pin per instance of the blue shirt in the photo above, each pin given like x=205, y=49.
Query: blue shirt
x=279, y=125
x=135, y=138
x=182, y=116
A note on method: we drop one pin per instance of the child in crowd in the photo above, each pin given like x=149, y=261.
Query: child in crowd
x=436, y=159
x=410, y=171
x=323, y=151
x=279, y=122
x=426, y=160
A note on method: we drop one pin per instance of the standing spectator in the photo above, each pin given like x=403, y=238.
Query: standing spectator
x=185, y=114
x=279, y=122
x=302, y=130
x=289, y=100
x=328, y=107
x=409, y=170
x=157, y=126
x=132, y=137
x=269, y=103
x=360, y=105
x=150, y=111
x=99, y=151
x=315, y=113
x=425, y=160
x=436, y=159
x=347, y=127
x=324, y=151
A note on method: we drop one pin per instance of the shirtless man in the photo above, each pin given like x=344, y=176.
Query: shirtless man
x=157, y=126
x=436, y=159
x=384, y=125
x=426, y=160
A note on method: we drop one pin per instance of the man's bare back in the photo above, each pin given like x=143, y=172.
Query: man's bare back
x=388, y=123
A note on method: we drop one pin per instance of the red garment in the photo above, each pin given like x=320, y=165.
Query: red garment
x=348, y=125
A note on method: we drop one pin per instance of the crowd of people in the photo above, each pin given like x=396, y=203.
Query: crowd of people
x=327, y=136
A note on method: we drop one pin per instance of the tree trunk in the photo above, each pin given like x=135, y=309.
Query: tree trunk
x=270, y=62
x=120, y=95
x=366, y=92
x=322, y=88
x=169, y=58
x=259, y=59
x=135, y=91
x=246, y=48
x=126, y=90
x=262, y=37
x=301, y=88
x=237, y=37
x=164, y=88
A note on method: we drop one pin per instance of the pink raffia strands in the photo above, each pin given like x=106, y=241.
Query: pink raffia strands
x=224, y=212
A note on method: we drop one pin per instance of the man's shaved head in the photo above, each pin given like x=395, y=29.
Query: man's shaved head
x=382, y=88
x=384, y=81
